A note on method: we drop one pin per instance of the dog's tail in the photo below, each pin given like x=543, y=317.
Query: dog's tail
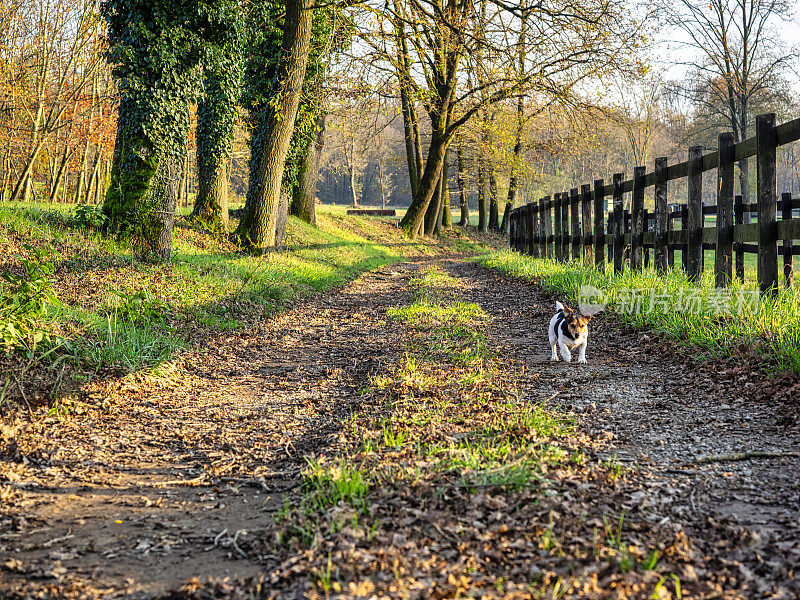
x=559, y=306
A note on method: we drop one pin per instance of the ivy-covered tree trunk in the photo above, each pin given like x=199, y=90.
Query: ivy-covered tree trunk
x=140, y=202
x=156, y=47
x=257, y=228
x=211, y=203
x=216, y=120
x=304, y=197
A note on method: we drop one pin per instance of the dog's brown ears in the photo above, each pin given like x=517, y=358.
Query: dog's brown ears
x=567, y=310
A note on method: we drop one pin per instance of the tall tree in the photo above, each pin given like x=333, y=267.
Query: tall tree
x=462, y=188
x=274, y=131
x=430, y=40
x=157, y=49
x=735, y=57
x=217, y=117
x=265, y=38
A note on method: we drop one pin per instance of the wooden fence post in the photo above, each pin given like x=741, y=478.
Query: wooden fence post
x=645, y=249
x=788, y=267
x=693, y=223
x=565, y=226
x=558, y=207
x=586, y=222
x=599, y=223
x=619, y=222
x=537, y=229
x=557, y=226
x=660, y=225
x=767, y=203
x=723, y=256
x=610, y=238
x=575, y=216
x=738, y=217
x=626, y=257
x=684, y=210
x=527, y=214
x=548, y=226
x=671, y=211
x=637, y=218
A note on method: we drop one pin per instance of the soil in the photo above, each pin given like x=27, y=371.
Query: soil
x=151, y=482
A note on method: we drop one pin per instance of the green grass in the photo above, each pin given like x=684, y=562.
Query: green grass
x=209, y=286
x=711, y=321
x=501, y=441
x=124, y=346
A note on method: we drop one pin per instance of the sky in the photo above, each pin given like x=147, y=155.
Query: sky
x=668, y=49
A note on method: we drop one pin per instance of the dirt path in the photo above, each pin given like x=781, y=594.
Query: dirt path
x=662, y=411
x=155, y=481
x=137, y=498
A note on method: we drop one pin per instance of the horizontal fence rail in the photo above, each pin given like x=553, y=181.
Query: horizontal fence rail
x=577, y=224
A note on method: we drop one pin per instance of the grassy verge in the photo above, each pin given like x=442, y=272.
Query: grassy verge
x=112, y=315
x=449, y=483
x=715, y=322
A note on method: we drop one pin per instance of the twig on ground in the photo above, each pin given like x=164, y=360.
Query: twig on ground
x=691, y=500
x=49, y=543
x=219, y=536
x=22, y=393
x=256, y=482
x=703, y=460
x=235, y=545
x=196, y=481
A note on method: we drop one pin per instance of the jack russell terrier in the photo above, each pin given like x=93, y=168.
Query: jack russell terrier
x=568, y=331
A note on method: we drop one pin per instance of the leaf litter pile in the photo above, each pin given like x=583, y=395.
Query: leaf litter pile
x=405, y=450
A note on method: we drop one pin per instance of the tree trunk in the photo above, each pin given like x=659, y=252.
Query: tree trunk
x=462, y=191
x=6, y=174
x=513, y=182
x=415, y=215
x=380, y=182
x=434, y=212
x=59, y=177
x=353, y=198
x=447, y=215
x=483, y=198
x=23, y=188
x=257, y=228
x=215, y=115
x=410, y=122
x=303, y=202
x=494, y=221
x=100, y=183
x=140, y=201
x=91, y=191
x=211, y=203
x=281, y=221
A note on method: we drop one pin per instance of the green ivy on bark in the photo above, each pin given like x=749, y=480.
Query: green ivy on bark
x=263, y=38
x=156, y=48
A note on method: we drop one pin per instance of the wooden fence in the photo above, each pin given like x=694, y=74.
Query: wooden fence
x=576, y=225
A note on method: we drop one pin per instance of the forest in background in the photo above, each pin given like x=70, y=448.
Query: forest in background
x=59, y=101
